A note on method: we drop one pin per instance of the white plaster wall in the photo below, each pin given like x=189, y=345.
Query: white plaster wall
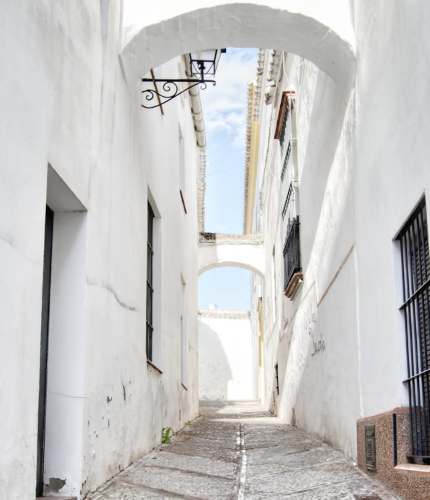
x=65, y=101
x=319, y=389
x=227, y=359
x=362, y=167
x=392, y=172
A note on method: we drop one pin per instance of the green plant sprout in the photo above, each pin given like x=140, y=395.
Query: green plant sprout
x=166, y=434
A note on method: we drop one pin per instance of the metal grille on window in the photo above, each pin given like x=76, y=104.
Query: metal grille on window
x=287, y=157
x=149, y=283
x=287, y=200
x=414, y=246
x=292, y=262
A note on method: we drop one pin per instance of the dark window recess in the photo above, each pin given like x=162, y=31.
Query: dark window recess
x=370, y=443
x=287, y=200
x=284, y=126
x=277, y=379
x=149, y=283
x=292, y=261
x=44, y=341
x=281, y=122
x=414, y=247
x=287, y=157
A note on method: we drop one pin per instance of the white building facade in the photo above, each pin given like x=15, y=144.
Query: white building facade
x=336, y=209
x=74, y=137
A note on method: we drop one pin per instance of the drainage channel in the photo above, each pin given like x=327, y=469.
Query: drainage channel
x=242, y=467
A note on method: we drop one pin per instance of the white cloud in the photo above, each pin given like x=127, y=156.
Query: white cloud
x=224, y=106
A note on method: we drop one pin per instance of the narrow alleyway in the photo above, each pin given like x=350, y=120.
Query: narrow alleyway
x=237, y=451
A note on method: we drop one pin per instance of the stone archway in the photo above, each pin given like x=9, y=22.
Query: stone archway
x=245, y=251
x=321, y=32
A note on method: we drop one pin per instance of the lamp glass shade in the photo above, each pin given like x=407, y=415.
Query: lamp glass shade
x=204, y=62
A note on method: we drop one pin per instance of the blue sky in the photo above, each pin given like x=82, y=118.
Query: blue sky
x=224, y=110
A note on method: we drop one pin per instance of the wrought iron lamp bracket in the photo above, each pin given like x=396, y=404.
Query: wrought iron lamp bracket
x=170, y=88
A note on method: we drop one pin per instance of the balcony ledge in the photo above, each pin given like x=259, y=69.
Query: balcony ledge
x=293, y=284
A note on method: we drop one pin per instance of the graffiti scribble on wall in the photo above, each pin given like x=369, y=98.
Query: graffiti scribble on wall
x=310, y=321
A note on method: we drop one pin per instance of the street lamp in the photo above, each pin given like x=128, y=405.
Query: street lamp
x=203, y=64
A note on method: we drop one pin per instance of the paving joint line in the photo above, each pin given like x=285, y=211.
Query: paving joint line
x=289, y=470
x=312, y=488
x=167, y=493
x=232, y=461
x=241, y=479
x=187, y=471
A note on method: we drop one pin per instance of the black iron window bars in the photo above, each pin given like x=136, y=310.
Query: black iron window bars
x=149, y=283
x=291, y=252
x=414, y=247
x=286, y=160
x=287, y=201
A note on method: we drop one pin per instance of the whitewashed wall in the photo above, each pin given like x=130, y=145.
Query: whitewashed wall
x=392, y=173
x=362, y=167
x=228, y=356
x=65, y=102
x=313, y=341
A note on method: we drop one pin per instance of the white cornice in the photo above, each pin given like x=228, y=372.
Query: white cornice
x=224, y=314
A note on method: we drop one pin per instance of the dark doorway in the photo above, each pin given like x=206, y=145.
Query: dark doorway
x=47, y=259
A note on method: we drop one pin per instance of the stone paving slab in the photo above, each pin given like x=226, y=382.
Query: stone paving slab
x=338, y=469
x=236, y=451
x=181, y=482
x=302, y=459
x=194, y=463
x=203, y=451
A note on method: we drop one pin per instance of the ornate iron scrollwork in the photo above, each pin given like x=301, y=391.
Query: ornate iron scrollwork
x=170, y=90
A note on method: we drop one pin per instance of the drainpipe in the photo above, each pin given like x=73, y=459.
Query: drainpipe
x=196, y=109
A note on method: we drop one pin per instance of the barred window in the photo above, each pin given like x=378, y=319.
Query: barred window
x=284, y=126
x=286, y=160
x=292, y=258
x=149, y=283
x=287, y=200
x=414, y=248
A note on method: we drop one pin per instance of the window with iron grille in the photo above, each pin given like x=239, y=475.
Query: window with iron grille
x=414, y=246
x=285, y=165
x=287, y=200
x=149, y=283
x=292, y=261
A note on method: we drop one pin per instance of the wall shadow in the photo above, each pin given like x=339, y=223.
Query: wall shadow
x=214, y=368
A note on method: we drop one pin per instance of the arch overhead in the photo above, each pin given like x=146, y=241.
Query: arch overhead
x=321, y=32
x=234, y=251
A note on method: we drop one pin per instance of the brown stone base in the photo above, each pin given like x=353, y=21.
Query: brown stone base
x=403, y=481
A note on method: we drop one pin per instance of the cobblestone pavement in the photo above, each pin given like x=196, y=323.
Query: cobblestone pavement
x=236, y=451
